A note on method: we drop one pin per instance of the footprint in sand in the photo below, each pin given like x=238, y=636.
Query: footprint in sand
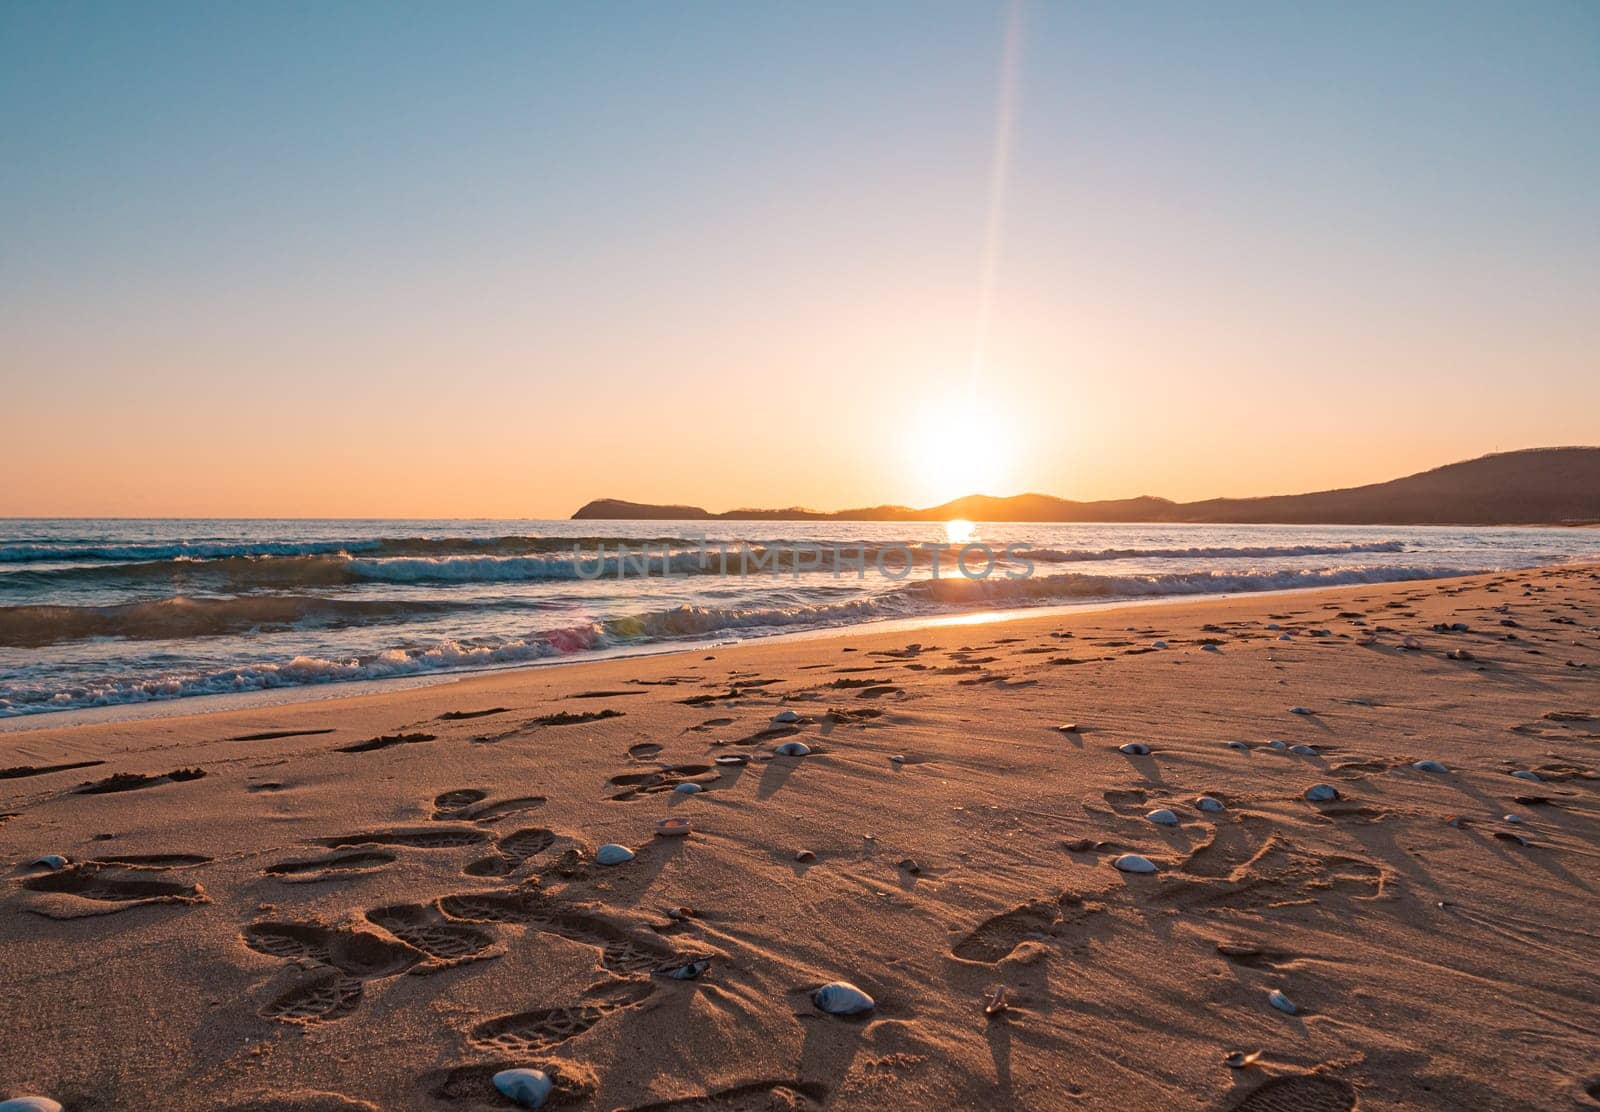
x=1300, y=1093
x=334, y=866
x=155, y=860
x=17, y=772
x=524, y=1032
x=134, y=781
x=512, y=851
x=332, y=962
x=93, y=888
x=621, y=950
x=453, y=838
x=789, y=1096
x=423, y=927
x=385, y=741
x=663, y=779
x=645, y=751
x=472, y=805
x=998, y=935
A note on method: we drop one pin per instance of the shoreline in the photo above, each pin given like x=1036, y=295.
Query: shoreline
x=321, y=692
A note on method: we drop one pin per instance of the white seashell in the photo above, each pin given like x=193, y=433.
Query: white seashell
x=1158, y=644
x=1211, y=648
x=786, y=716
x=1281, y=1002
x=1299, y=710
x=898, y=758
x=842, y=998
x=30, y=1104
x=613, y=854
x=1322, y=793
x=1303, y=750
x=1429, y=766
x=1513, y=818
x=1133, y=863
x=1161, y=816
x=1278, y=746
x=1134, y=749
x=1524, y=774
x=1239, y=745
x=48, y=861
x=529, y=1088
x=733, y=759
x=686, y=789
x=1207, y=803
x=672, y=828
x=792, y=749
x=690, y=971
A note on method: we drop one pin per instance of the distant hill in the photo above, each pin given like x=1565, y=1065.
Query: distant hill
x=1536, y=486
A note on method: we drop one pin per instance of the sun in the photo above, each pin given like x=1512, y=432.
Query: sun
x=955, y=448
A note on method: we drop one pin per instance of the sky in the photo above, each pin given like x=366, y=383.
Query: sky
x=390, y=259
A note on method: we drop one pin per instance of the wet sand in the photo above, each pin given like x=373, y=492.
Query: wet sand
x=375, y=902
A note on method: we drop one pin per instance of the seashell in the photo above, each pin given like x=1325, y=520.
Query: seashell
x=48, y=861
x=1284, y=637
x=1429, y=766
x=732, y=759
x=1068, y=727
x=792, y=749
x=678, y=914
x=997, y=1002
x=30, y=1104
x=1239, y=745
x=1512, y=818
x=842, y=998
x=689, y=971
x=1460, y=654
x=1507, y=836
x=669, y=828
x=1158, y=644
x=786, y=716
x=686, y=789
x=1210, y=648
x=529, y=1088
x=805, y=857
x=1281, y=1002
x=613, y=854
x=1278, y=746
x=1238, y=1059
x=1299, y=710
x=898, y=758
x=1134, y=749
x=1078, y=845
x=1208, y=803
x=1133, y=863
x=1161, y=816
x=1274, y=626
x=910, y=865
x=1303, y=750
x=1322, y=793
x=1524, y=774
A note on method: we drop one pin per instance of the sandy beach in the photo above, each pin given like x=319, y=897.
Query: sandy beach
x=378, y=901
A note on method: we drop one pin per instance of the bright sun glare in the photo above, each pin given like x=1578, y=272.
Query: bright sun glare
x=956, y=449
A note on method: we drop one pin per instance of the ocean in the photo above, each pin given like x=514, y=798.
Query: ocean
x=105, y=613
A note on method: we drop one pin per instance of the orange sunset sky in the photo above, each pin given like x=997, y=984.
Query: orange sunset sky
x=336, y=264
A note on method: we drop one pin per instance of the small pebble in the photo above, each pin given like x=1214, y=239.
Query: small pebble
x=1284, y=637
x=1133, y=863
x=1210, y=648
x=1281, y=1002
x=529, y=1088
x=842, y=998
x=786, y=716
x=910, y=865
x=691, y=971
x=613, y=854
x=1299, y=710
x=1158, y=644
x=1162, y=817
x=1322, y=793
